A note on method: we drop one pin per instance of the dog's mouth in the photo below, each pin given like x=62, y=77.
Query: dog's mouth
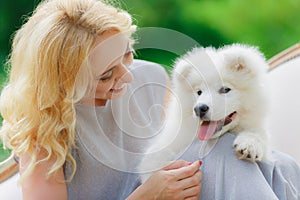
x=208, y=128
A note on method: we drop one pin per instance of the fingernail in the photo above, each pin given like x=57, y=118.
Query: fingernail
x=200, y=162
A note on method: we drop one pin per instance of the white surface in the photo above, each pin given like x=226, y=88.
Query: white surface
x=284, y=120
x=10, y=190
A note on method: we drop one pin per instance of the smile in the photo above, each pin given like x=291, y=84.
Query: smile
x=117, y=90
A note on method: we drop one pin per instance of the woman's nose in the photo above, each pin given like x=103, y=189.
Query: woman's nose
x=124, y=74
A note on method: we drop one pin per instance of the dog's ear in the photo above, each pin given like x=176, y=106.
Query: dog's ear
x=182, y=69
x=181, y=73
x=238, y=66
x=244, y=59
x=193, y=63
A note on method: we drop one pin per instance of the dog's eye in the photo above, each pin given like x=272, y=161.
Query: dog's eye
x=224, y=90
x=199, y=92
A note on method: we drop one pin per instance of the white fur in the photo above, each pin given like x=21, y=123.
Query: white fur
x=239, y=67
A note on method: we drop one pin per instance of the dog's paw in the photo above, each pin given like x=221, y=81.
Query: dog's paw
x=249, y=148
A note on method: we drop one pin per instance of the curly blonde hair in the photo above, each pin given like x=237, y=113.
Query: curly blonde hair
x=37, y=104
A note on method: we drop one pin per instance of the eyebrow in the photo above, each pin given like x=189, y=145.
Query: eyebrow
x=101, y=75
x=107, y=70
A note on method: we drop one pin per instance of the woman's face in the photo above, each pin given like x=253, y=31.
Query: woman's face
x=110, y=60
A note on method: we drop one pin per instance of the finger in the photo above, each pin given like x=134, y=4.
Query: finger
x=192, y=181
x=192, y=192
x=176, y=164
x=187, y=171
x=193, y=198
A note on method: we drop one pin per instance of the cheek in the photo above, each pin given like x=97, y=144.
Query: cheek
x=232, y=102
x=104, y=87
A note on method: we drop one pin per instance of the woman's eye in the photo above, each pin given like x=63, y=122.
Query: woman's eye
x=224, y=90
x=106, y=76
x=199, y=92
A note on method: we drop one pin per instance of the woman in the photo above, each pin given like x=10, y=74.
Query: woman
x=64, y=106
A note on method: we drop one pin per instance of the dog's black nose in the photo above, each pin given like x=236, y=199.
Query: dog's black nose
x=201, y=110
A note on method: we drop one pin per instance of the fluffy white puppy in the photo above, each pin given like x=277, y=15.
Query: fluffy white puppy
x=215, y=91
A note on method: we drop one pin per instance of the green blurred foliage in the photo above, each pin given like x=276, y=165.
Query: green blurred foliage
x=270, y=24
x=4, y=153
x=273, y=25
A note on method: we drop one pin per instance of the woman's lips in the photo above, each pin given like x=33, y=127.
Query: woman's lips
x=117, y=90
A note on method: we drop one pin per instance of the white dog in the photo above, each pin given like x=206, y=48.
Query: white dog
x=215, y=91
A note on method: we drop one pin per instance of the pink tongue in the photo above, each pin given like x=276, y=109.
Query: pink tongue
x=207, y=130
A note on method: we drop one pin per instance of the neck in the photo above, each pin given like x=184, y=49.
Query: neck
x=94, y=102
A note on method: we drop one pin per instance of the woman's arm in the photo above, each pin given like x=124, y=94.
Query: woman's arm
x=180, y=180
x=36, y=186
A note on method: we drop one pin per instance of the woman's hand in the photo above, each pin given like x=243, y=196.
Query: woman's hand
x=179, y=180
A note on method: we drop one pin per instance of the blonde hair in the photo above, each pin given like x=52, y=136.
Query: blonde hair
x=37, y=104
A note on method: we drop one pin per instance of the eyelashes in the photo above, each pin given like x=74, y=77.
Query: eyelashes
x=107, y=76
x=126, y=60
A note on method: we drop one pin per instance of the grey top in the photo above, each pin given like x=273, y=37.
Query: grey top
x=111, y=138
x=227, y=178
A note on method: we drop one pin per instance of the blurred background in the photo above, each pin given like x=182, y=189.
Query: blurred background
x=272, y=25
